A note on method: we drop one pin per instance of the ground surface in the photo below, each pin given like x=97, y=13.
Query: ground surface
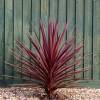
x=30, y=93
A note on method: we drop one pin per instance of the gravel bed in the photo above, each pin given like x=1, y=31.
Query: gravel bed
x=31, y=93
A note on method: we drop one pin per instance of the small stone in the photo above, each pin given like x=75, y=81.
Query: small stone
x=33, y=98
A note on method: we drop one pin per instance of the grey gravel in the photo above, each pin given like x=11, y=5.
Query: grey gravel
x=31, y=93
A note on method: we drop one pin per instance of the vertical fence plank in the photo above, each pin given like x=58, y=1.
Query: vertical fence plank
x=36, y=13
x=62, y=11
x=8, y=35
x=44, y=10
x=17, y=30
x=44, y=13
x=71, y=18
x=26, y=23
x=88, y=38
x=62, y=15
x=1, y=36
x=26, y=20
x=53, y=9
x=80, y=29
x=96, y=39
x=36, y=16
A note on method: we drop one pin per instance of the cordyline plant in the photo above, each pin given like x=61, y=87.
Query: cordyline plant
x=49, y=65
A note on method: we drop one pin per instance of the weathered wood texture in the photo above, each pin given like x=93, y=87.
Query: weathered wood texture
x=17, y=17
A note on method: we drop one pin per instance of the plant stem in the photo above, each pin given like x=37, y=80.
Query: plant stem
x=48, y=94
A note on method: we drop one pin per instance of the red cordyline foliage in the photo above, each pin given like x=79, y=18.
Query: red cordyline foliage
x=49, y=65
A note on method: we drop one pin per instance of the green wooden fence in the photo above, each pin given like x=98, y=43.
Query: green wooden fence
x=17, y=17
